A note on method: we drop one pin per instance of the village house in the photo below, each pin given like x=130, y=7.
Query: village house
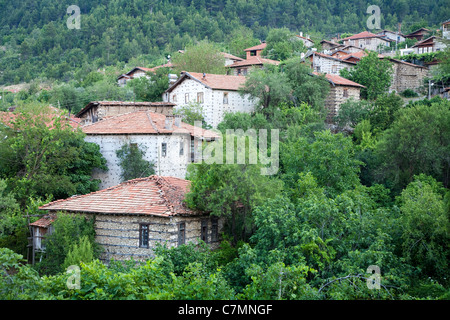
x=392, y=35
x=341, y=90
x=446, y=29
x=167, y=142
x=216, y=94
x=132, y=217
x=244, y=67
x=306, y=40
x=138, y=72
x=230, y=59
x=431, y=44
x=407, y=76
x=327, y=64
x=39, y=229
x=419, y=34
x=367, y=40
x=98, y=110
x=255, y=51
x=329, y=45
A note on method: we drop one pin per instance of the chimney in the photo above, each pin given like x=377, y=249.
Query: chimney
x=204, y=76
x=168, y=123
x=177, y=120
x=301, y=33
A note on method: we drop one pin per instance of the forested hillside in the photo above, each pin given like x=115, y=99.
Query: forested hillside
x=35, y=41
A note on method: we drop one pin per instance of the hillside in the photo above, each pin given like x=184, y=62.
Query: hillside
x=36, y=43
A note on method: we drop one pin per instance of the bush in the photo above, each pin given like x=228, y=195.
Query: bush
x=409, y=93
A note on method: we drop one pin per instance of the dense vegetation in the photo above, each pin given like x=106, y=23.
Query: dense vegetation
x=374, y=193
x=35, y=41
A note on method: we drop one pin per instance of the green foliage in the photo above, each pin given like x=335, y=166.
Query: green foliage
x=373, y=73
x=150, y=89
x=282, y=44
x=204, y=57
x=409, y=93
x=70, y=237
x=80, y=252
x=417, y=142
x=132, y=162
x=192, y=113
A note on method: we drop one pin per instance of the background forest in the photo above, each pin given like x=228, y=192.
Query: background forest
x=339, y=203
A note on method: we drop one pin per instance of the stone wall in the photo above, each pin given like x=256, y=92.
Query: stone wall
x=118, y=235
x=407, y=76
x=336, y=97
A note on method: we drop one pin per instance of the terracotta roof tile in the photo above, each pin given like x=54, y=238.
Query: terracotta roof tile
x=213, y=81
x=362, y=35
x=255, y=60
x=144, y=122
x=44, y=222
x=261, y=46
x=154, y=195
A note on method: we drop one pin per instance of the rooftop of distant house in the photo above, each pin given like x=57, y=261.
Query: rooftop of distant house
x=212, y=81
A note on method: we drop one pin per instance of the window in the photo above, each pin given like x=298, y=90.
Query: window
x=214, y=229
x=345, y=93
x=244, y=71
x=181, y=233
x=163, y=149
x=204, y=231
x=192, y=149
x=143, y=235
x=174, y=98
x=200, y=97
x=181, y=148
x=186, y=98
x=334, y=69
x=238, y=72
x=225, y=98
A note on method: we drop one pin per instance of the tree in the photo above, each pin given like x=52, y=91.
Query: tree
x=426, y=227
x=152, y=88
x=132, y=163
x=203, y=57
x=417, y=142
x=269, y=86
x=43, y=155
x=373, y=73
x=192, y=113
x=282, y=44
x=80, y=252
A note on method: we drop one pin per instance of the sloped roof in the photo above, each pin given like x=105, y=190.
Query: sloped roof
x=154, y=196
x=261, y=46
x=363, y=35
x=144, y=122
x=124, y=104
x=9, y=118
x=127, y=75
x=212, y=81
x=253, y=61
x=341, y=81
x=417, y=31
x=44, y=222
x=326, y=56
x=426, y=41
x=230, y=56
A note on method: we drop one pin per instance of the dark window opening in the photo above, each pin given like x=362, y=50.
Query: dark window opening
x=143, y=235
x=181, y=233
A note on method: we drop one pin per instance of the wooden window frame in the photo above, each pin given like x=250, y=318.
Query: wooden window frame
x=214, y=229
x=225, y=98
x=200, y=97
x=144, y=227
x=163, y=149
x=181, y=233
x=204, y=230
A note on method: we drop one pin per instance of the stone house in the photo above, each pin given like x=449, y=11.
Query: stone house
x=323, y=63
x=230, y=59
x=431, y=44
x=306, y=40
x=255, y=51
x=394, y=36
x=329, y=45
x=166, y=142
x=98, y=110
x=138, y=72
x=132, y=217
x=217, y=94
x=407, y=76
x=367, y=40
x=341, y=90
x=244, y=67
x=446, y=29
x=419, y=34
x=39, y=229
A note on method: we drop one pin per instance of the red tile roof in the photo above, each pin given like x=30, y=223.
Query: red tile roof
x=230, y=56
x=261, y=46
x=45, y=221
x=124, y=104
x=213, y=81
x=340, y=81
x=144, y=122
x=9, y=118
x=362, y=35
x=154, y=195
x=253, y=61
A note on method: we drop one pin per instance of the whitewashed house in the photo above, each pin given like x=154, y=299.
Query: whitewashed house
x=138, y=72
x=306, y=40
x=167, y=142
x=394, y=36
x=217, y=94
